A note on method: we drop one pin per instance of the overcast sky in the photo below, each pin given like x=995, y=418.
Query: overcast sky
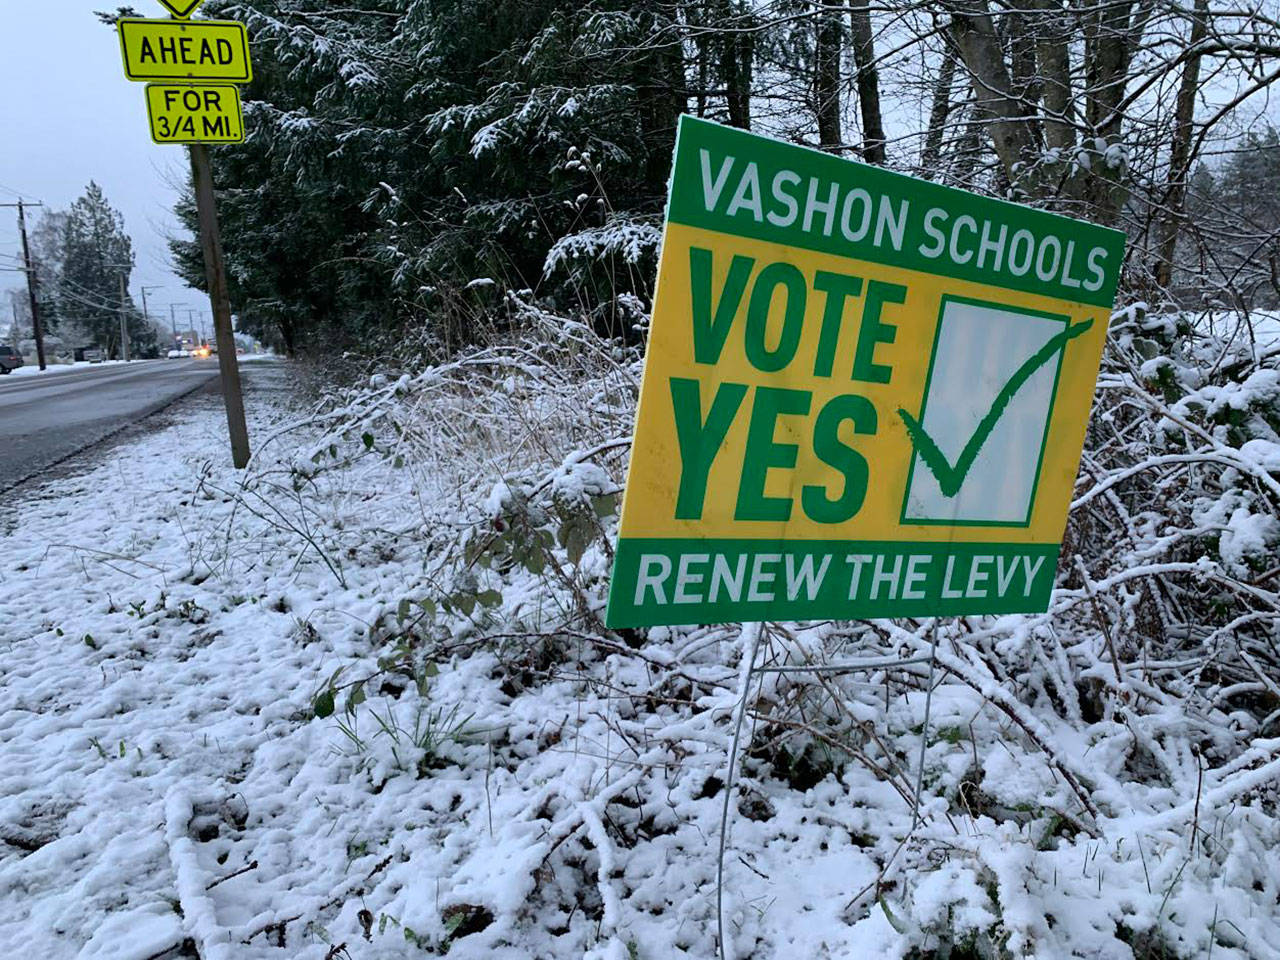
x=68, y=116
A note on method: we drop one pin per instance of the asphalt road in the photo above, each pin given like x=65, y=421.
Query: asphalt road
x=44, y=419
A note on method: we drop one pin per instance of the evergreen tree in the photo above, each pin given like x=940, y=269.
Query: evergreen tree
x=96, y=252
x=400, y=149
x=1234, y=216
x=46, y=251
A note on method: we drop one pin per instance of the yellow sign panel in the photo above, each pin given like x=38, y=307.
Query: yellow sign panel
x=865, y=395
x=181, y=113
x=213, y=50
x=181, y=8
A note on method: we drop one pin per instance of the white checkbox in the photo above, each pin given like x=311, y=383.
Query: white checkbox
x=978, y=349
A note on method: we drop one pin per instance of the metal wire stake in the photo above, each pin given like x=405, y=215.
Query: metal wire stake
x=924, y=732
x=751, y=646
x=882, y=663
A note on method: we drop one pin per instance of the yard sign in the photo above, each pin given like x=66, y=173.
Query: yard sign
x=865, y=394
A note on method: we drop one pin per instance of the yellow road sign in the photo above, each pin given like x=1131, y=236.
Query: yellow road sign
x=213, y=50
x=181, y=113
x=181, y=8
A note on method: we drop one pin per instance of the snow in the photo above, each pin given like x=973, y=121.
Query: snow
x=1247, y=534
x=1256, y=331
x=498, y=776
x=32, y=369
x=632, y=239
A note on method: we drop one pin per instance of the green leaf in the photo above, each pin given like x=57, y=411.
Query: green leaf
x=489, y=598
x=324, y=705
x=368, y=441
x=430, y=669
x=605, y=506
x=576, y=538
x=428, y=606
x=402, y=611
x=357, y=697
x=536, y=561
x=90, y=642
x=893, y=920
x=452, y=924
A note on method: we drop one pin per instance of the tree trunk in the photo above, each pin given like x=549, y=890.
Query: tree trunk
x=826, y=80
x=1053, y=53
x=659, y=81
x=288, y=336
x=1180, y=155
x=868, y=82
x=736, y=61
x=938, y=114
x=704, y=73
x=1018, y=31
x=1111, y=36
x=995, y=101
x=967, y=153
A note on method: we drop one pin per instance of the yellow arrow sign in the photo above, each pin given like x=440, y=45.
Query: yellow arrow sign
x=181, y=8
x=215, y=50
x=182, y=113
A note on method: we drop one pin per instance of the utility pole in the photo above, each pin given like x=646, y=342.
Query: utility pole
x=216, y=276
x=146, y=316
x=124, y=321
x=37, y=328
x=173, y=322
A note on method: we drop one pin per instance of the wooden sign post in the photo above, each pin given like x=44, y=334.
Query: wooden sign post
x=195, y=106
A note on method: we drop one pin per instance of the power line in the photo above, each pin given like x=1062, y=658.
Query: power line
x=92, y=306
x=72, y=290
x=85, y=291
x=17, y=193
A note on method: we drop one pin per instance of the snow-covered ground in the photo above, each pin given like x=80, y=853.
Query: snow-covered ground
x=1259, y=330
x=32, y=369
x=355, y=705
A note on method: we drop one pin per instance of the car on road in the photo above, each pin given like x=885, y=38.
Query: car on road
x=177, y=354
x=10, y=359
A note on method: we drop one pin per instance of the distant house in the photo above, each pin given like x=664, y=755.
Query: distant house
x=53, y=346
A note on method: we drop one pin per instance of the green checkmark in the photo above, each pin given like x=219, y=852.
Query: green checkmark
x=951, y=478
